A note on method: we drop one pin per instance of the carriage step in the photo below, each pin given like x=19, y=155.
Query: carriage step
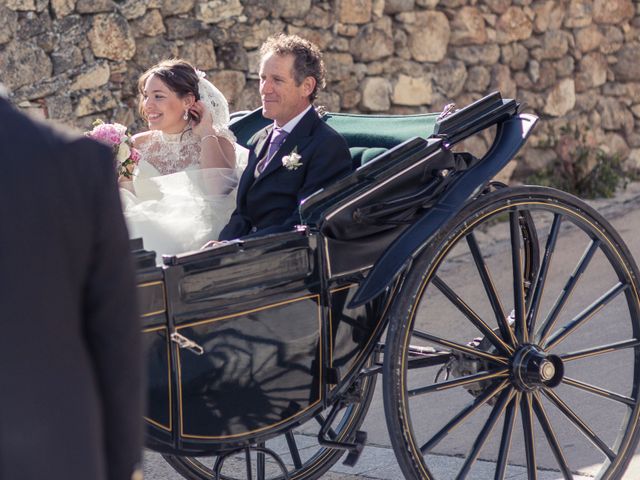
x=354, y=453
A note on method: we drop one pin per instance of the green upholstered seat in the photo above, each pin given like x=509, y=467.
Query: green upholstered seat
x=367, y=135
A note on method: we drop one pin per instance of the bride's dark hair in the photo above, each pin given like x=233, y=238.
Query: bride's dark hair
x=177, y=74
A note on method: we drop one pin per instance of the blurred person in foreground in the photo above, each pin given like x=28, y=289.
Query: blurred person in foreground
x=70, y=353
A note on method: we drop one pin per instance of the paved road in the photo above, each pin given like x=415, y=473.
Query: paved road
x=378, y=460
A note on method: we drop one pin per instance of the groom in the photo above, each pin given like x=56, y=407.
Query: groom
x=296, y=155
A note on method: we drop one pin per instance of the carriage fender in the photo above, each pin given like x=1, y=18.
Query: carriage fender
x=510, y=136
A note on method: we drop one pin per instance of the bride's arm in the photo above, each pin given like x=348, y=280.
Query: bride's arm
x=215, y=151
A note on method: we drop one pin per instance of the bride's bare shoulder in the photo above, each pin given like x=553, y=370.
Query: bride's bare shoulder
x=140, y=139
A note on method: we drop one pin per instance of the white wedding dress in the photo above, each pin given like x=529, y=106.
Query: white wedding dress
x=172, y=203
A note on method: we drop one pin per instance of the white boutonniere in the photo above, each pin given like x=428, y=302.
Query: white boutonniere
x=292, y=161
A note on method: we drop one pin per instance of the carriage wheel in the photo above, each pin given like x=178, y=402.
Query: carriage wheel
x=534, y=375
x=302, y=455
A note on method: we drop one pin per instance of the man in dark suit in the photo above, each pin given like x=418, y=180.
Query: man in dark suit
x=296, y=155
x=71, y=404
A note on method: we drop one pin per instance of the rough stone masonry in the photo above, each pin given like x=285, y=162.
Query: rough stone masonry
x=576, y=63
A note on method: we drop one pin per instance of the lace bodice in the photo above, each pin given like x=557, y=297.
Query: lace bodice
x=171, y=153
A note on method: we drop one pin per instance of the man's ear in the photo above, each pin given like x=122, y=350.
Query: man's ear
x=308, y=84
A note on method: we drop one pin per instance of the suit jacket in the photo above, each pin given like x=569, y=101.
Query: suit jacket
x=70, y=351
x=269, y=203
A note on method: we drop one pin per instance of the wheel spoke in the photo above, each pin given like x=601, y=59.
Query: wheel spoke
x=542, y=274
x=600, y=350
x=556, y=449
x=473, y=317
x=579, y=424
x=585, y=315
x=599, y=391
x=505, y=441
x=567, y=290
x=260, y=464
x=247, y=458
x=490, y=289
x=293, y=449
x=529, y=440
x=496, y=413
x=518, y=281
x=458, y=382
x=462, y=416
x=459, y=347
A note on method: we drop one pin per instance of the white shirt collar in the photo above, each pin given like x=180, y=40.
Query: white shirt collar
x=291, y=124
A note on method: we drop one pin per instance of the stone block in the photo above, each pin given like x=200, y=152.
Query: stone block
x=177, y=7
x=375, y=94
x=513, y=25
x=449, y=77
x=579, y=14
x=503, y=81
x=230, y=82
x=391, y=7
x=132, y=9
x=21, y=5
x=59, y=107
x=627, y=67
x=478, y=79
x=612, y=11
x=200, y=53
x=8, y=24
x=373, y=42
x=548, y=16
x=592, y=71
x=92, y=77
x=95, y=102
x=561, y=99
x=429, y=35
x=215, y=11
x=478, y=54
x=468, y=27
x=62, y=8
x=66, y=58
x=412, y=91
x=110, y=37
x=23, y=63
x=150, y=24
x=319, y=17
x=95, y=6
x=232, y=56
x=354, y=11
x=179, y=27
x=588, y=38
x=151, y=50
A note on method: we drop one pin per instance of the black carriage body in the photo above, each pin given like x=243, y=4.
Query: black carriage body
x=271, y=316
x=275, y=333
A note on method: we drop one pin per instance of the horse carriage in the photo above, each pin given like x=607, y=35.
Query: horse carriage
x=263, y=353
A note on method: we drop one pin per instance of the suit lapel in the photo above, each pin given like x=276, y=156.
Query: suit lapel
x=247, y=179
x=299, y=137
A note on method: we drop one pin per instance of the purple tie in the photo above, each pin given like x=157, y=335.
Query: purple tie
x=277, y=139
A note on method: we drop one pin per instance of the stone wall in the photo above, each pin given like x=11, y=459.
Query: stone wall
x=576, y=63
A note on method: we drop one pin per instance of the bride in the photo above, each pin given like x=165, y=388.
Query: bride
x=183, y=191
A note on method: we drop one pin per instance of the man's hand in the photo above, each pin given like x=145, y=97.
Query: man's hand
x=211, y=244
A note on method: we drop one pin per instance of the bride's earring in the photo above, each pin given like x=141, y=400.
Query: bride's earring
x=186, y=114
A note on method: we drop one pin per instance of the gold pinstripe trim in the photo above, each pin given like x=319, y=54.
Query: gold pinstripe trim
x=164, y=297
x=225, y=317
x=168, y=428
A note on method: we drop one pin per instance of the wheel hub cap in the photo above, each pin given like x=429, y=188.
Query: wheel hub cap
x=532, y=368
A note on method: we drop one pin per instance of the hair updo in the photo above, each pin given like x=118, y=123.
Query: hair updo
x=177, y=74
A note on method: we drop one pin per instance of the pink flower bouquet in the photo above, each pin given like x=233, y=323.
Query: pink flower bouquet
x=115, y=135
